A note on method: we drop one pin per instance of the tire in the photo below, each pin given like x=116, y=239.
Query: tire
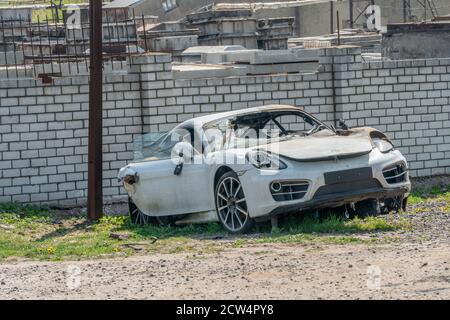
x=347, y=212
x=231, y=206
x=367, y=208
x=405, y=204
x=137, y=216
x=394, y=204
x=167, y=221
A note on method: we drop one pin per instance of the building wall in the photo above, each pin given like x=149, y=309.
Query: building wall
x=43, y=142
x=312, y=20
x=400, y=42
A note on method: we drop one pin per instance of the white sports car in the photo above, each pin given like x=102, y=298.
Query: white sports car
x=250, y=165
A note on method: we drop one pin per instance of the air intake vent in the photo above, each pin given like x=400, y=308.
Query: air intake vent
x=395, y=174
x=288, y=190
x=347, y=187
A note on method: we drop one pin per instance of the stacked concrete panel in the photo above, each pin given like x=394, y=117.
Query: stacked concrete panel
x=370, y=42
x=240, y=27
x=172, y=37
x=273, y=33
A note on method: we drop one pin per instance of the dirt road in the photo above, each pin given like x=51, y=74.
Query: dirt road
x=416, y=266
x=271, y=271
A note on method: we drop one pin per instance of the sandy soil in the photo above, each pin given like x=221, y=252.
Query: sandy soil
x=409, y=270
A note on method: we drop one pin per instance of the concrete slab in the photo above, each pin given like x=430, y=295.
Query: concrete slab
x=194, y=54
x=196, y=71
x=284, y=56
x=257, y=56
x=295, y=67
x=239, y=56
x=173, y=43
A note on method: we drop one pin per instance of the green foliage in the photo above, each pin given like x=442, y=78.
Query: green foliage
x=435, y=193
x=36, y=232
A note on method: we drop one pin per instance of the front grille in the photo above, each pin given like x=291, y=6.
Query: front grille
x=395, y=174
x=334, y=189
x=288, y=190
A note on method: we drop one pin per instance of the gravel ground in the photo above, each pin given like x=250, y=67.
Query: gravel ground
x=416, y=266
x=271, y=271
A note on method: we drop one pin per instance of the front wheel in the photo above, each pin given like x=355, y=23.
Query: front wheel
x=396, y=204
x=367, y=208
x=231, y=205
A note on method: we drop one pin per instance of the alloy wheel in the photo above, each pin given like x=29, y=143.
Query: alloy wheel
x=231, y=205
x=136, y=215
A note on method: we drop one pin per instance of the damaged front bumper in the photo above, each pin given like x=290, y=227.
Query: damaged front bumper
x=340, y=199
x=329, y=184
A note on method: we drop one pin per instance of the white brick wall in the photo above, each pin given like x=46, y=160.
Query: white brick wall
x=43, y=143
x=43, y=128
x=412, y=110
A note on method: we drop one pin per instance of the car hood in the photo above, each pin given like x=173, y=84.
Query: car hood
x=322, y=147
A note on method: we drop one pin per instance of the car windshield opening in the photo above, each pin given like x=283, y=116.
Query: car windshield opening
x=262, y=128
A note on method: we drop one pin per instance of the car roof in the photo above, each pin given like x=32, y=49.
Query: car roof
x=216, y=116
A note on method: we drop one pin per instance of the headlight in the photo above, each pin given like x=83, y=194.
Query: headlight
x=264, y=160
x=383, y=145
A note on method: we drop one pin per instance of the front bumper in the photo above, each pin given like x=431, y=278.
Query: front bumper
x=340, y=199
x=260, y=203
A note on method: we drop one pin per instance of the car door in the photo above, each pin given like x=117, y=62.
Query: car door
x=162, y=192
x=193, y=185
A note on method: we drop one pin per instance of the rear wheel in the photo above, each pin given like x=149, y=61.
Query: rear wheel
x=168, y=221
x=231, y=205
x=137, y=216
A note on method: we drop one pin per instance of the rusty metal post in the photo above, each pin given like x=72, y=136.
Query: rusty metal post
x=144, y=34
x=350, y=13
x=30, y=24
x=95, y=165
x=338, y=28
x=331, y=17
x=405, y=10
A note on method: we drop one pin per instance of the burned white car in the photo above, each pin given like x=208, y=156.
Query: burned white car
x=250, y=165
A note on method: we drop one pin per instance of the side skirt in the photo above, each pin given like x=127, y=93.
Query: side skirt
x=199, y=217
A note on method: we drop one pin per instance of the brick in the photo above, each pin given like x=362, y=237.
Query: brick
x=52, y=90
x=7, y=102
x=208, y=90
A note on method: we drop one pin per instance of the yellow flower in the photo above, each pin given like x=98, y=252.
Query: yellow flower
x=51, y=250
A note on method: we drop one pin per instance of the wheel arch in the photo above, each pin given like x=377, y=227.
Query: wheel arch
x=238, y=213
x=219, y=173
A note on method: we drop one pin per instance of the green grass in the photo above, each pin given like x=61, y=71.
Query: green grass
x=332, y=230
x=335, y=224
x=39, y=233
x=435, y=193
x=43, y=15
